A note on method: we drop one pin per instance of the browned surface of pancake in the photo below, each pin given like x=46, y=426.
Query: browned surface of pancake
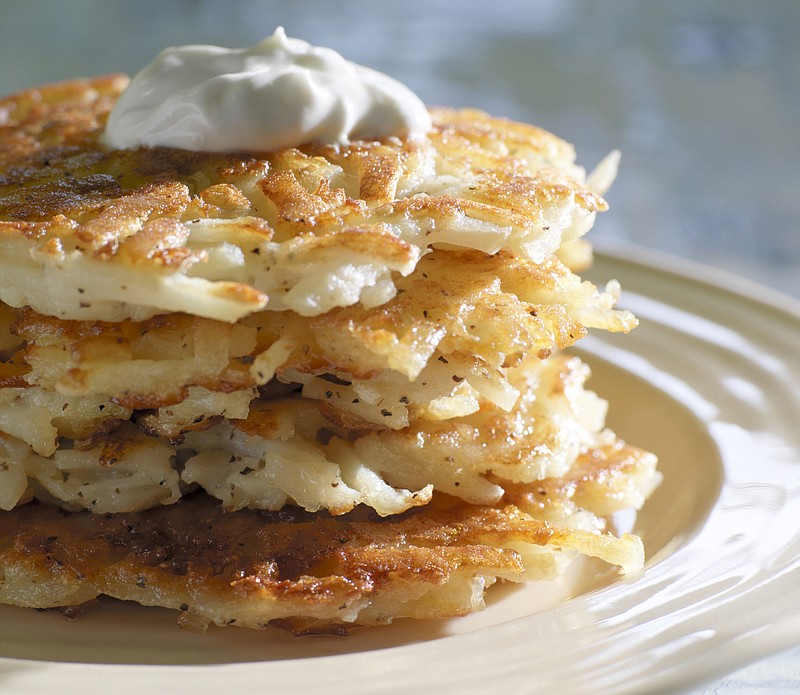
x=604, y=480
x=314, y=571
x=160, y=213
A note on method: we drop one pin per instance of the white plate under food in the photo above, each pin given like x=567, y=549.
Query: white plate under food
x=710, y=381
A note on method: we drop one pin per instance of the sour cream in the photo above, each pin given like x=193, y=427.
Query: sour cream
x=281, y=93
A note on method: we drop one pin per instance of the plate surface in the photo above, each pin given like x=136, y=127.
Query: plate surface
x=710, y=381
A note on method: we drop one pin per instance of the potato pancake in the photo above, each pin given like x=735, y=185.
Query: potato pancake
x=311, y=573
x=314, y=388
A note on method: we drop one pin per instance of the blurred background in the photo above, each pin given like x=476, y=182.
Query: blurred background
x=701, y=96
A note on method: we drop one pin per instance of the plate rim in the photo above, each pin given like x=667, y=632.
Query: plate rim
x=744, y=288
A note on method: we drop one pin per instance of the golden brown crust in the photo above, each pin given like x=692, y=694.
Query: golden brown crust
x=288, y=564
x=146, y=364
x=157, y=214
x=249, y=568
x=601, y=481
x=61, y=115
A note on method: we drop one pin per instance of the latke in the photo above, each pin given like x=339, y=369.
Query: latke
x=315, y=388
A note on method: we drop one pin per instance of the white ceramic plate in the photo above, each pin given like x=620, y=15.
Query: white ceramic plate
x=711, y=382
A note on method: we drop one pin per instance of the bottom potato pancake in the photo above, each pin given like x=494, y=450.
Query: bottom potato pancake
x=314, y=573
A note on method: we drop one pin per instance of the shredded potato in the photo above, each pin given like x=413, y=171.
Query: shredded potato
x=313, y=388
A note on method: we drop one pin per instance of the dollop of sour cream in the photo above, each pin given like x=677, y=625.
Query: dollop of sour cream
x=281, y=93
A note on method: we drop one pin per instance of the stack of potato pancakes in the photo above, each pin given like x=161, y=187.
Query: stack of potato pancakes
x=317, y=388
